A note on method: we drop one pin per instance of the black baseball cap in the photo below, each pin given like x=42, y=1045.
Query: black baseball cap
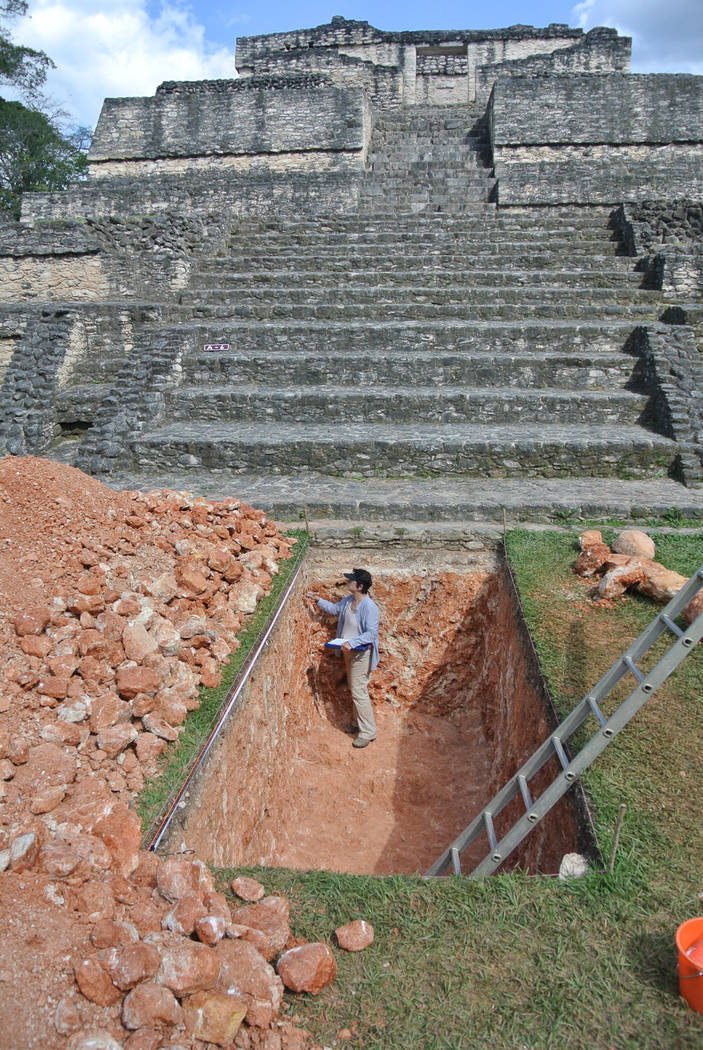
x=360, y=576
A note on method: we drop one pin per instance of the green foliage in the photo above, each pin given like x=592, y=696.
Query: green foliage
x=34, y=155
x=35, y=151
x=22, y=67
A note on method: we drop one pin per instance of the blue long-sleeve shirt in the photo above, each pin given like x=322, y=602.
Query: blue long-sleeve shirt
x=367, y=615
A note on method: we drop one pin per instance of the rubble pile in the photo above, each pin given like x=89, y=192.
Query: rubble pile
x=116, y=607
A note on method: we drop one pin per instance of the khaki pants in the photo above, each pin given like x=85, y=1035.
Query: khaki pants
x=357, y=665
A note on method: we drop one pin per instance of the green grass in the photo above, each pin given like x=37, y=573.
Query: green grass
x=513, y=961
x=178, y=760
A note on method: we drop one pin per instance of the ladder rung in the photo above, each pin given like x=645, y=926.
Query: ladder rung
x=671, y=625
x=490, y=830
x=456, y=860
x=632, y=666
x=524, y=791
x=560, y=752
x=596, y=710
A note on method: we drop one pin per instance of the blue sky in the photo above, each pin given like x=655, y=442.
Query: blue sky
x=127, y=47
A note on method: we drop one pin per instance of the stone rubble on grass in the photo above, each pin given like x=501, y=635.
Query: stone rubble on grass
x=307, y=968
x=573, y=866
x=623, y=568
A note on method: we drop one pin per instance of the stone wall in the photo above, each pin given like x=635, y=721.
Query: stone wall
x=668, y=237
x=592, y=139
x=600, y=51
x=231, y=118
x=199, y=194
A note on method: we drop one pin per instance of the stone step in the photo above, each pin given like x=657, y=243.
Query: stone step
x=574, y=340
x=308, y=403
x=351, y=274
x=440, y=234
x=375, y=312
x=580, y=370
x=561, y=501
x=536, y=450
x=412, y=261
x=562, y=219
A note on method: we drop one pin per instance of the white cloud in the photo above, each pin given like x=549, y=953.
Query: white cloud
x=115, y=48
x=666, y=37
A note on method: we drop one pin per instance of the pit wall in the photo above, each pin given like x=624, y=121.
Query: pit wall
x=450, y=646
x=591, y=139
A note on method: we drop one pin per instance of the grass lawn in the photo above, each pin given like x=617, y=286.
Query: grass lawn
x=514, y=961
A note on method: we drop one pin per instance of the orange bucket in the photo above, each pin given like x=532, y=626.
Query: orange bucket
x=689, y=941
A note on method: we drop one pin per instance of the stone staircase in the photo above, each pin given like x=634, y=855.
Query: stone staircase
x=430, y=357
x=428, y=158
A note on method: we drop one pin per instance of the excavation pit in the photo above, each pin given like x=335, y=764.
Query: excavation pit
x=459, y=704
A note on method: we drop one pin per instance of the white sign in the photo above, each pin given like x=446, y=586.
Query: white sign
x=216, y=346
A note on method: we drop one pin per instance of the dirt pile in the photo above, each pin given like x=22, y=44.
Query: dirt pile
x=115, y=608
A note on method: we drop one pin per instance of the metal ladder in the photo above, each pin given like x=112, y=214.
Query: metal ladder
x=571, y=769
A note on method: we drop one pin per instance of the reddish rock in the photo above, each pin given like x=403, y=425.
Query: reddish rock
x=105, y=711
x=123, y=891
x=634, y=543
x=213, y=1016
x=18, y=750
x=137, y=642
x=191, y=576
x=121, y=832
x=88, y=847
x=61, y=733
x=157, y=725
x=50, y=685
x=24, y=851
x=150, y=1005
x=185, y=914
x=660, y=583
x=116, y=738
x=63, y=666
x=187, y=967
x=33, y=620
x=95, y=983
x=694, y=608
x=58, y=859
x=617, y=580
x=146, y=917
x=149, y=747
x=144, y=1039
x=309, y=968
x=248, y=889
x=142, y=704
x=171, y=707
x=66, y=1018
x=355, y=936
x=95, y=900
x=36, y=645
x=90, y=603
x=244, y=971
x=146, y=871
x=179, y=876
x=110, y=934
x=591, y=560
x=216, y=904
x=210, y=929
x=133, y=680
x=129, y=965
x=271, y=917
x=48, y=799
x=164, y=588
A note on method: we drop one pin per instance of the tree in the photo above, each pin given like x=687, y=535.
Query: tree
x=36, y=153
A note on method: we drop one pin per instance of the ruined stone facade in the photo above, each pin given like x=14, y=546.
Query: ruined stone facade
x=269, y=214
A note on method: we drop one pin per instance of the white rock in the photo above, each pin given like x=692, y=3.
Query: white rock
x=573, y=866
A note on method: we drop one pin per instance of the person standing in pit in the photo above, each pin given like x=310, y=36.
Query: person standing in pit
x=357, y=625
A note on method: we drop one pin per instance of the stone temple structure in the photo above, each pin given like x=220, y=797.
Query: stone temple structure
x=422, y=275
